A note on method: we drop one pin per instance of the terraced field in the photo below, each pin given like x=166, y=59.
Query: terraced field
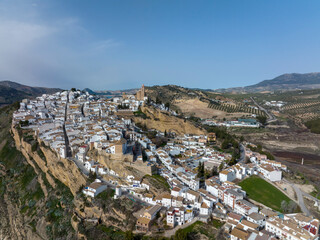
x=235, y=107
x=299, y=105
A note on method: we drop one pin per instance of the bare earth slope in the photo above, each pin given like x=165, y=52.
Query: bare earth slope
x=164, y=122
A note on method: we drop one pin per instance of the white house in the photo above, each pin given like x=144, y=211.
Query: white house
x=179, y=216
x=257, y=218
x=94, y=189
x=205, y=209
x=227, y=175
x=270, y=172
x=243, y=207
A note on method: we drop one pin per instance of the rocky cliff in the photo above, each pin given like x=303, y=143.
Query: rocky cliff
x=62, y=169
x=34, y=204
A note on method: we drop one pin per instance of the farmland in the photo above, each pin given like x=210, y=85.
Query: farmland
x=234, y=107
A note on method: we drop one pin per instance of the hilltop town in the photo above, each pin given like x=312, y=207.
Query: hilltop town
x=100, y=136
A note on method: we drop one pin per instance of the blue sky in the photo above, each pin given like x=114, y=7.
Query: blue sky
x=121, y=44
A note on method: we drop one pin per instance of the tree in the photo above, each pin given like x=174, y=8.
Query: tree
x=284, y=206
x=129, y=235
x=181, y=234
x=214, y=171
x=292, y=207
x=158, y=101
x=233, y=161
x=225, y=144
x=262, y=119
x=201, y=171
x=259, y=147
x=221, y=166
x=92, y=176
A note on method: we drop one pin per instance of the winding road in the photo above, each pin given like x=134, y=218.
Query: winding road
x=242, y=154
x=300, y=194
x=271, y=118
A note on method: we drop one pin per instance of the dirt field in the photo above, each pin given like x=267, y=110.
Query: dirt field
x=287, y=188
x=290, y=145
x=310, y=168
x=306, y=188
x=285, y=140
x=200, y=109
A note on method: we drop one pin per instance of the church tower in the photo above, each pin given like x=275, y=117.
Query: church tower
x=141, y=93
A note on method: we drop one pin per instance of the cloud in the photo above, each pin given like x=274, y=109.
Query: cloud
x=56, y=52
x=105, y=44
x=20, y=35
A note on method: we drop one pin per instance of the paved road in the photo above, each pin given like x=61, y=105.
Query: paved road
x=271, y=117
x=301, y=200
x=299, y=194
x=242, y=154
x=80, y=165
x=309, y=196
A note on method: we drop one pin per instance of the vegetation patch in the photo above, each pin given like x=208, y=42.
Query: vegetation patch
x=263, y=192
x=158, y=181
x=259, y=150
x=194, y=231
x=314, y=125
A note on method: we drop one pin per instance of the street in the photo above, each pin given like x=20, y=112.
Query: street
x=271, y=118
x=300, y=197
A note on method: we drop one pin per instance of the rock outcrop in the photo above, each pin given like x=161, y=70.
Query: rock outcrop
x=62, y=169
x=156, y=119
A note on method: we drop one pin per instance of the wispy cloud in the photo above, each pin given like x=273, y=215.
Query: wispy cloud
x=105, y=44
x=47, y=52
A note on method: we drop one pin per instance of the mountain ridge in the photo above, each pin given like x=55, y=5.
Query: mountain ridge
x=284, y=82
x=12, y=91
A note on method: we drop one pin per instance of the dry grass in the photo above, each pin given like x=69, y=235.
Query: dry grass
x=200, y=109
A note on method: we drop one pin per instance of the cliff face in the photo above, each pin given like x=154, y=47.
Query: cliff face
x=36, y=190
x=155, y=119
x=62, y=169
x=39, y=196
x=35, y=197
x=12, y=222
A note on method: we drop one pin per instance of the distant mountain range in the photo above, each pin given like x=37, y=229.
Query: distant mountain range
x=11, y=92
x=285, y=82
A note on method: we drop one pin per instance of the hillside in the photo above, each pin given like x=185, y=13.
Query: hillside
x=285, y=82
x=155, y=119
x=200, y=103
x=11, y=92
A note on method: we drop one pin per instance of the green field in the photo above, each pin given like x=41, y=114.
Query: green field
x=263, y=192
